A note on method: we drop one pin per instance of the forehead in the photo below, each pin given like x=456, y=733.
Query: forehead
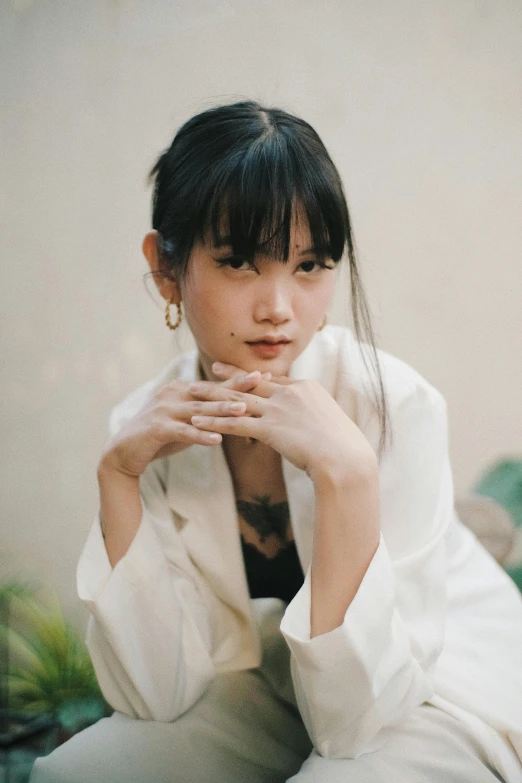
x=300, y=237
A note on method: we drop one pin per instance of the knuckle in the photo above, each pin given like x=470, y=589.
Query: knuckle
x=230, y=394
x=241, y=379
x=161, y=411
x=174, y=390
x=288, y=392
x=167, y=388
x=203, y=392
x=160, y=393
x=209, y=420
x=160, y=429
x=183, y=430
x=156, y=419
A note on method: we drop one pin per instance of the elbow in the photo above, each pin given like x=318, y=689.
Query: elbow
x=159, y=693
x=351, y=744
x=152, y=705
x=371, y=729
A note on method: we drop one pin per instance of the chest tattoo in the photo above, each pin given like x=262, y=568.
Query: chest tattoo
x=265, y=517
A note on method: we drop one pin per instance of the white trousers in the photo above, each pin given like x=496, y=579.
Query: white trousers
x=247, y=729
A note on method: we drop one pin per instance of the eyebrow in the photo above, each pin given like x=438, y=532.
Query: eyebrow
x=226, y=241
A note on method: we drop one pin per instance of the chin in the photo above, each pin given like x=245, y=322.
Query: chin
x=275, y=366
x=249, y=364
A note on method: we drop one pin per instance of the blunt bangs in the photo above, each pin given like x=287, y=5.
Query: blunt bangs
x=252, y=200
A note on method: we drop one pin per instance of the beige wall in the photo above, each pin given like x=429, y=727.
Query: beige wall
x=420, y=105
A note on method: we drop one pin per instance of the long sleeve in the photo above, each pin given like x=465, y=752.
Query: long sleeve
x=149, y=632
x=354, y=683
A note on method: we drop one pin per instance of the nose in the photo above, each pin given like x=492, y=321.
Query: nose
x=273, y=302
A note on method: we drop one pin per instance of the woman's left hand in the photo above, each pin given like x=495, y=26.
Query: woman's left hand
x=297, y=418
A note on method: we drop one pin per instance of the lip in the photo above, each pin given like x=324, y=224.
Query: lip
x=272, y=339
x=267, y=350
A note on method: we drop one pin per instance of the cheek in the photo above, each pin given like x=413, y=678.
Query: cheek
x=211, y=312
x=315, y=302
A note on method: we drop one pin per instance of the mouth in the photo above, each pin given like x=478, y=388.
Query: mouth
x=270, y=341
x=269, y=344
x=268, y=349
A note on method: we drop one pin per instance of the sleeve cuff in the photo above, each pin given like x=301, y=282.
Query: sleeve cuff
x=364, y=617
x=141, y=561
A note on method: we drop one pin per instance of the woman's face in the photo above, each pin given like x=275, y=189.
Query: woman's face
x=232, y=306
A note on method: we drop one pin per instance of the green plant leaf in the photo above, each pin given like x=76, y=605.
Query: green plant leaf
x=50, y=666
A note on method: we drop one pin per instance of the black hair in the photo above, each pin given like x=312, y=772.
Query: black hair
x=240, y=170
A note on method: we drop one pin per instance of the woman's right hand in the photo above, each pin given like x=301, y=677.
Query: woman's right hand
x=163, y=426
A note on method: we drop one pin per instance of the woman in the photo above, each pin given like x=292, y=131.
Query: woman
x=279, y=586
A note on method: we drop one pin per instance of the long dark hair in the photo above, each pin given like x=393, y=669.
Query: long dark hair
x=241, y=169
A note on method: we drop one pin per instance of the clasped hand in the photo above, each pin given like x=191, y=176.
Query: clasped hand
x=297, y=418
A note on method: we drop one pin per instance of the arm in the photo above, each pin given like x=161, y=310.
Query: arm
x=148, y=632
x=356, y=679
x=346, y=537
x=121, y=510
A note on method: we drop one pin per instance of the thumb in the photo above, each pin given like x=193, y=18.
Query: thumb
x=245, y=383
x=226, y=370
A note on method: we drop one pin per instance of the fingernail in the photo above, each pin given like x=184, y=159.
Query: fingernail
x=266, y=376
x=217, y=366
x=252, y=375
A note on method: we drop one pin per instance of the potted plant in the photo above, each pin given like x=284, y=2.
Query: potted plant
x=15, y=724
x=47, y=676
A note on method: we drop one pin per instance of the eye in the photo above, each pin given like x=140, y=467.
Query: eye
x=308, y=266
x=235, y=262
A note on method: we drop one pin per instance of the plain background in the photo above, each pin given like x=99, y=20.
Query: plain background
x=420, y=106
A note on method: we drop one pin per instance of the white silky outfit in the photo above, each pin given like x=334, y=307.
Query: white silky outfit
x=435, y=618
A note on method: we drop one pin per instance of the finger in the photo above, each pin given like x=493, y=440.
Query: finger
x=217, y=392
x=185, y=432
x=246, y=382
x=232, y=372
x=282, y=380
x=206, y=390
x=253, y=405
x=193, y=434
x=235, y=375
x=225, y=370
x=245, y=426
x=222, y=408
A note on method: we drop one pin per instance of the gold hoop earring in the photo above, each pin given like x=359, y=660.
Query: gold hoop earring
x=167, y=315
x=323, y=324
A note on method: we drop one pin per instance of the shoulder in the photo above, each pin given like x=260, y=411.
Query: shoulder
x=353, y=382
x=354, y=362
x=182, y=367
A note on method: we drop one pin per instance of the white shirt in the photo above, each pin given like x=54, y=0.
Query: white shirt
x=435, y=618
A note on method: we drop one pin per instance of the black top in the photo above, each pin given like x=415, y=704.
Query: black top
x=280, y=576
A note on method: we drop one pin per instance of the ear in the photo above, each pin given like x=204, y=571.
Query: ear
x=165, y=283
